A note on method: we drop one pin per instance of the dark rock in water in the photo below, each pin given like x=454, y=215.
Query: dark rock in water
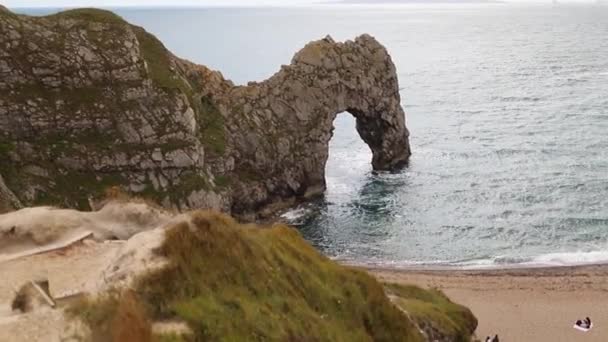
x=88, y=101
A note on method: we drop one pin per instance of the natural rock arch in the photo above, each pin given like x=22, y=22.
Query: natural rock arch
x=297, y=107
x=364, y=82
x=88, y=101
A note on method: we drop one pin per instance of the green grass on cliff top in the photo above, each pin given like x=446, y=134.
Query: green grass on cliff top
x=89, y=14
x=154, y=52
x=434, y=308
x=234, y=282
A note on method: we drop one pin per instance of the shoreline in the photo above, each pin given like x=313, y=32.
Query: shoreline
x=521, y=304
x=514, y=269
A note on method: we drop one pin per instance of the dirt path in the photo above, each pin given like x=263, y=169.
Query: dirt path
x=72, y=269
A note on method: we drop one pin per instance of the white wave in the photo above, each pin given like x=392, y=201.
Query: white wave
x=295, y=214
x=543, y=260
x=479, y=264
x=571, y=258
x=404, y=264
x=498, y=262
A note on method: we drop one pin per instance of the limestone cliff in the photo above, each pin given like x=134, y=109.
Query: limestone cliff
x=8, y=200
x=88, y=101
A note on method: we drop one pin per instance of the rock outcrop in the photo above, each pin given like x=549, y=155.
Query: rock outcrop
x=88, y=101
x=8, y=200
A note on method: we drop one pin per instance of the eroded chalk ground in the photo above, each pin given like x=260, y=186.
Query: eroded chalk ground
x=71, y=270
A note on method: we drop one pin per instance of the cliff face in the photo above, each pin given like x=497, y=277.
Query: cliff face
x=8, y=200
x=88, y=101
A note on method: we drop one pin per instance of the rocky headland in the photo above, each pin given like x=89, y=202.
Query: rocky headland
x=89, y=101
x=94, y=110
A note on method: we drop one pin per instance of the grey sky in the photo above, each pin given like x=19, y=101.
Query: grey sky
x=114, y=3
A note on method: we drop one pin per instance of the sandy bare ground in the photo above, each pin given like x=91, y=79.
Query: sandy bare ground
x=71, y=250
x=526, y=305
x=69, y=270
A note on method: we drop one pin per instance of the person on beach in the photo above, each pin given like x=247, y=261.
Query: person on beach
x=583, y=325
x=492, y=339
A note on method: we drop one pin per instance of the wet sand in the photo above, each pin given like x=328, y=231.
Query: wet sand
x=523, y=305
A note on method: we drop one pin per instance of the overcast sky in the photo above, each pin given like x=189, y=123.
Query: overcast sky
x=115, y=3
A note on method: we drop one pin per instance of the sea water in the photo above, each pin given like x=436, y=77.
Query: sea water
x=508, y=111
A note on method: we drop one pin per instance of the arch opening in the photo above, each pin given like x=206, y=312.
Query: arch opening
x=349, y=156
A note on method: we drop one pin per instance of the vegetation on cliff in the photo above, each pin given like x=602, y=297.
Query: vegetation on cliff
x=89, y=101
x=434, y=312
x=234, y=282
x=111, y=104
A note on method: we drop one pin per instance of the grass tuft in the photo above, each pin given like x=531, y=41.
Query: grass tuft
x=90, y=15
x=6, y=12
x=212, y=126
x=222, y=181
x=115, y=316
x=432, y=308
x=130, y=322
x=5, y=148
x=158, y=60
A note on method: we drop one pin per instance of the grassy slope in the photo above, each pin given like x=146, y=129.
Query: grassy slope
x=433, y=309
x=233, y=282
